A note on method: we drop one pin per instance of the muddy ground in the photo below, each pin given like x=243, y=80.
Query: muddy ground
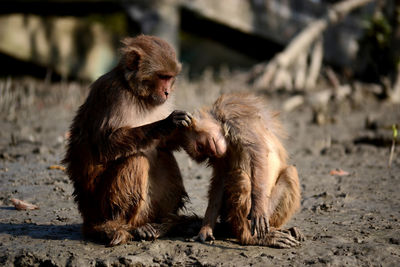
x=349, y=220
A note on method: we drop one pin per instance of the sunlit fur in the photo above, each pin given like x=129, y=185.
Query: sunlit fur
x=122, y=180
x=251, y=176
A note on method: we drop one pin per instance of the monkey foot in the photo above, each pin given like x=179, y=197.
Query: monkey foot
x=145, y=232
x=205, y=234
x=120, y=237
x=279, y=239
x=296, y=233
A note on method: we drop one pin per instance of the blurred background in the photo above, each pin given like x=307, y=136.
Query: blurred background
x=78, y=40
x=317, y=53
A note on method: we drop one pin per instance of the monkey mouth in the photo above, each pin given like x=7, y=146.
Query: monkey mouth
x=158, y=100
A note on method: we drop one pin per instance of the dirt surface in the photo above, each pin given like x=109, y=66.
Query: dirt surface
x=351, y=220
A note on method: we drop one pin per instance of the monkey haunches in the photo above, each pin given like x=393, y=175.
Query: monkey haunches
x=252, y=187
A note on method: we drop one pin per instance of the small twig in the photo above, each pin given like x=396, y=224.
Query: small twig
x=333, y=79
x=394, y=94
x=315, y=65
x=57, y=167
x=393, y=145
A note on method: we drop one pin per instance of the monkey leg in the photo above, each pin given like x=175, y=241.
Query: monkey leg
x=238, y=190
x=285, y=201
x=166, y=192
x=238, y=204
x=166, y=187
x=121, y=199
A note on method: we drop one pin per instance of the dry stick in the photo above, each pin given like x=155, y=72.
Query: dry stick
x=302, y=42
x=300, y=72
x=393, y=145
x=394, y=95
x=315, y=66
x=333, y=79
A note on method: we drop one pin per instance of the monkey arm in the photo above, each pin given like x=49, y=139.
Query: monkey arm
x=215, y=201
x=215, y=196
x=172, y=142
x=125, y=140
x=265, y=170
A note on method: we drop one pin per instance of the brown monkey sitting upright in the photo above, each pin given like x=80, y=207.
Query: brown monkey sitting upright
x=251, y=180
x=124, y=175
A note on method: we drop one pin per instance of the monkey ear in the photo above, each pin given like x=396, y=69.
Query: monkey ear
x=131, y=54
x=132, y=60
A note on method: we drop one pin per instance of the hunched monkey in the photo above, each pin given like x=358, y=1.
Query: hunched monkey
x=119, y=157
x=253, y=189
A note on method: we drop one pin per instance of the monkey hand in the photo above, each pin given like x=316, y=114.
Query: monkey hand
x=259, y=223
x=181, y=118
x=205, y=234
x=145, y=232
x=177, y=118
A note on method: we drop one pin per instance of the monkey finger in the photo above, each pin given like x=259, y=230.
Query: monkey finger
x=253, y=226
x=151, y=232
x=185, y=124
x=181, y=120
x=188, y=120
x=119, y=237
x=265, y=226
x=181, y=114
x=261, y=228
x=116, y=241
x=154, y=233
x=285, y=240
x=189, y=115
x=288, y=242
x=296, y=233
x=144, y=232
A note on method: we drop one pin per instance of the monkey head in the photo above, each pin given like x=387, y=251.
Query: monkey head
x=205, y=139
x=150, y=68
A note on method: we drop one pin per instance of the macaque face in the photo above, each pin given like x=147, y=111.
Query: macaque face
x=161, y=87
x=157, y=87
x=205, y=140
x=150, y=68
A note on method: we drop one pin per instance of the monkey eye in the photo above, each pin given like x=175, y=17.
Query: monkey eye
x=164, y=77
x=199, y=147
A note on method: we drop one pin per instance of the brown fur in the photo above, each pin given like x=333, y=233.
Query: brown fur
x=118, y=157
x=240, y=139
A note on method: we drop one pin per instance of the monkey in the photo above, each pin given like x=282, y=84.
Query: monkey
x=119, y=154
x=252, y=187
